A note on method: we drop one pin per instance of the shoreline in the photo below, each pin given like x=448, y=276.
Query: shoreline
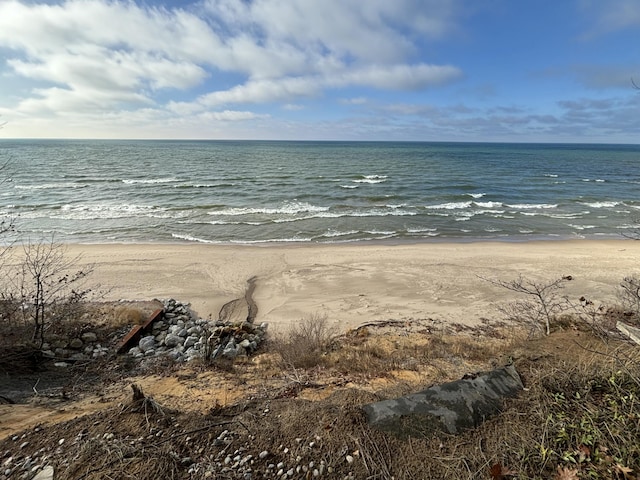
x=352, y=284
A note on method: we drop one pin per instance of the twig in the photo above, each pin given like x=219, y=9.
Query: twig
x=34, y=387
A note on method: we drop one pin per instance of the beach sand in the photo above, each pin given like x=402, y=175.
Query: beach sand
x=354, y=284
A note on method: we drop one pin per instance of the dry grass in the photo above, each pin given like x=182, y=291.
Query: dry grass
x=305, y=344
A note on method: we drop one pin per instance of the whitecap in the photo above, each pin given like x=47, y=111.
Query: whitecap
x=370, y=180
x=476, y=195
x=489, y=204
x=601, y=204
x=335, y=233
x=286, y=209
x=449, y=206
x=191, y=239
x=531, y=206
x=133, y=181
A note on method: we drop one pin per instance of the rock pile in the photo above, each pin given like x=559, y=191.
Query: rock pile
x=183, y=337
x=83, y=347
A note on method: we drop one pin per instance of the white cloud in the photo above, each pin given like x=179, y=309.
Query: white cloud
x=398, y=77
x=231, y=116
x=612, y=15
x=114, y=57
x=354, y=101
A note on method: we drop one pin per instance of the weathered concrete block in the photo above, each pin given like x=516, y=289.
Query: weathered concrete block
x=450, y=407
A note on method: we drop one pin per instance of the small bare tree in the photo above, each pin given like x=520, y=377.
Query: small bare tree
x=542, y=304
x=45, y=287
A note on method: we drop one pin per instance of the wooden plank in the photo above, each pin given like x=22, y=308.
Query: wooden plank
x=131, y=339
x=157, y=315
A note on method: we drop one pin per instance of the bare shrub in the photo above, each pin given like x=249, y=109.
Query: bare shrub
x=629, y=294
x=43, y=287
x=542, y=305
x=305, y=343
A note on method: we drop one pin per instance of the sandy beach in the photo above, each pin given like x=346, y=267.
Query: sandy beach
x=356, y=283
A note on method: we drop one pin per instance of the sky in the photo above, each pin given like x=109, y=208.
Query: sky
x=392, y=70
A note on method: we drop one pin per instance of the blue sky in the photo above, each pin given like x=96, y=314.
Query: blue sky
x=426, y=70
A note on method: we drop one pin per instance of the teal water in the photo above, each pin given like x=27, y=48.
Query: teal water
x=262, y=192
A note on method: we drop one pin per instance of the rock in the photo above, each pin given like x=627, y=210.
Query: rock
x=158, y=325
x=61, y=364
x=89, y=337
x=195, y=330
x=45, y=474
x=78, y=357
x=147, y=343
x=183, y=333
x=450, y=407
x=230, y=351
x=76, y=344
x=173, y=340
x=190, y=341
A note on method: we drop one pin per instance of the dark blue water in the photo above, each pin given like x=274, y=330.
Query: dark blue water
x=256, y=192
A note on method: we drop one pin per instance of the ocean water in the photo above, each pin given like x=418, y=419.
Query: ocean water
x=262, y=192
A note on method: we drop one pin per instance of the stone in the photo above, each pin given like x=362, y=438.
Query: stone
x=190, y=341
x=159, y=325
x=147, y=343
x=173, y=340
x=89, y=337
x=450, y=407
x=195, y=330
x=76, y=344
x=78, y=357
x=45, y=474
x=183, y=333
x=230, y=350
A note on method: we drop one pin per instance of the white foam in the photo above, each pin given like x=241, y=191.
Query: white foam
x=105, y=211
x=50, y=186
x=489, y=204
x=286, y=209
x=476, y=195
x=134, y=181
x=449, y=206
x=601, y=204
x=334, y=233
x=532, y=206
x=191, y=239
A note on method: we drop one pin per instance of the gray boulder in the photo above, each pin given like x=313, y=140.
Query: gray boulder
x=450, y=407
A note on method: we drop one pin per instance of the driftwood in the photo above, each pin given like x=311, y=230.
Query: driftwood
x=632, y=332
